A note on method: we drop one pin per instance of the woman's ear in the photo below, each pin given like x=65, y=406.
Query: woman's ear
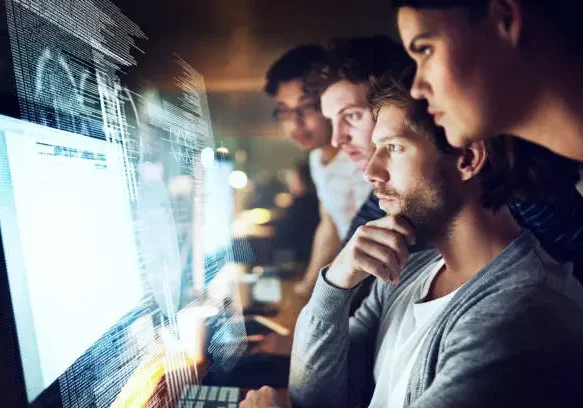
x=507, y=16
x=471, y=160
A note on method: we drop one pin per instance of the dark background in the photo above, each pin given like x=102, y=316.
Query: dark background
x=233, y=42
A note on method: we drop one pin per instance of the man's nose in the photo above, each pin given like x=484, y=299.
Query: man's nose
x=340, y=134
x=376, y=170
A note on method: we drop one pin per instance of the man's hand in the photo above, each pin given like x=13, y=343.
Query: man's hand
x=379, y=248
x=265, y=397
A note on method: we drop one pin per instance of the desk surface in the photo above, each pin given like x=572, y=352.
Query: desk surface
x=289, y=309
x=148, y=386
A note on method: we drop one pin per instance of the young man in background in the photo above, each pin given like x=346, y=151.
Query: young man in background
x=487, y=318
x=340, y=184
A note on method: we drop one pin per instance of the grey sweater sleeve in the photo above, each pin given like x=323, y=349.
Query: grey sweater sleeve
x=505, y=351
x=331, y=362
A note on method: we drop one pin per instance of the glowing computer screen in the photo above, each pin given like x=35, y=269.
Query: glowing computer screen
x=93, y=288
x=112, y=228
x=69, y=244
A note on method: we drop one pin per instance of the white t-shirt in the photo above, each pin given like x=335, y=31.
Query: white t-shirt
x=402, y=333
x=341, y=188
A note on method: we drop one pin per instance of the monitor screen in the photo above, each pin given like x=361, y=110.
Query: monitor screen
x=97, y=279
x=69, y=244
x=111, y=227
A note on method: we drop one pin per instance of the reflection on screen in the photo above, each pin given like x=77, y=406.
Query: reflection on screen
x=69, y=245
x=91, y=310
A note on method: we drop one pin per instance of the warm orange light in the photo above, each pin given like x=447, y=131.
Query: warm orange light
x=283, y=200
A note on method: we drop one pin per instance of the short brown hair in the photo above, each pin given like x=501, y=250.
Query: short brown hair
x=393, y=89
x=515, y=169
x=355, y=59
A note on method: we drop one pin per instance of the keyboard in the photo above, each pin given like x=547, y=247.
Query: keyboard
x=204, y=396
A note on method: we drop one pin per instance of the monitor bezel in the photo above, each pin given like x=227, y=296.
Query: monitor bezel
x=11, y=370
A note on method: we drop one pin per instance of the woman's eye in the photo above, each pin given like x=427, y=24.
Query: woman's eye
x=425, y=50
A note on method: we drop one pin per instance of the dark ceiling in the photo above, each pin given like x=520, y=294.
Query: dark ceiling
x=233, y=42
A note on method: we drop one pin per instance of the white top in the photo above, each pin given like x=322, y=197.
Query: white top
x=399, y=343
x=341, y=188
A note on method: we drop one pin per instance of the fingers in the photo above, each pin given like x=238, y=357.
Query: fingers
x=378, y=248
x=267, y=393
x=396, y=224
x=382, y=244
x=250, y=400
x=386, y=256
x=265, y=397
x=387, y=272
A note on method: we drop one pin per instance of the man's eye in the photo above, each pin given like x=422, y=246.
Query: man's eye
x=391, y=147
x=353, y=116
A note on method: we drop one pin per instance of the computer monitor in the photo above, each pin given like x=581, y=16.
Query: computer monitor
x=70, y=267
x=85, y=287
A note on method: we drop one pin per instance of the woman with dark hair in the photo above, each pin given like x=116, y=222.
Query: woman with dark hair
x=489, y=67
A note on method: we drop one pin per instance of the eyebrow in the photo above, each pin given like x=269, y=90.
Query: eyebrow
x=418, y=37
x=305, y=97
x=388, y=138
x=382, y=140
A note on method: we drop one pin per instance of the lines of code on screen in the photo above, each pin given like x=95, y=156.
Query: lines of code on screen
x=69, y=60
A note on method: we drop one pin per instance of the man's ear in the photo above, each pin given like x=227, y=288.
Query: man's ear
x=471, y=160
x=507, y=16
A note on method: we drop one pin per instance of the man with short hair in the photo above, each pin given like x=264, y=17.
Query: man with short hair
x=341, y=80
x=542, y=218
x=489, y=67
x=340, y=184
x=485, y=319
x=553, y=213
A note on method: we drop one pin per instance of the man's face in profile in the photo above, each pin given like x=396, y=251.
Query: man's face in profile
x=411, y=177
x=300, y=117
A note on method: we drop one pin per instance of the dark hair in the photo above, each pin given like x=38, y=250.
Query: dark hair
x=477, y=8
x=563, y=18
x=515, y=169
x=355, y=59
x=392, y=88
x=525, y=171
x=295, y=63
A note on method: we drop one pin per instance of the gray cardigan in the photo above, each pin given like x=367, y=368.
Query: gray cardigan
x=512, y=336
